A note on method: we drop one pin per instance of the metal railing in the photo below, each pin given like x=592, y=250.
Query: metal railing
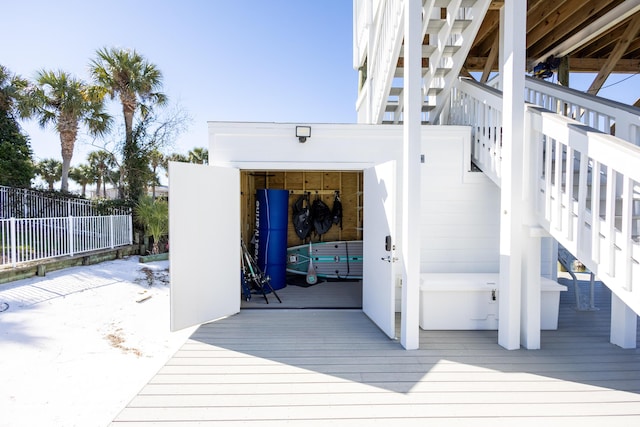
x=26, y=203
x=24, y=240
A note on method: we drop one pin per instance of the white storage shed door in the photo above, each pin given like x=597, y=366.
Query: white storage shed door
x=378, y=287
x=204, y=233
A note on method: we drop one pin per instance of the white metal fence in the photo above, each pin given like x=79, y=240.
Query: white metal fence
x=30, y=239
x=25, y=203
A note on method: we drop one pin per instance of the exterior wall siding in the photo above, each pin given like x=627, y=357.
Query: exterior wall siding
x=460, y=209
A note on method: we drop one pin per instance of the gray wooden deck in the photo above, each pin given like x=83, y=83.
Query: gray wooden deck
x=334, y=367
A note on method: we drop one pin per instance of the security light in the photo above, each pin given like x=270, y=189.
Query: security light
x=303, y=132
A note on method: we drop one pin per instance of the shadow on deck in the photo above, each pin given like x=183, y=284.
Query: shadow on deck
x=312, y=367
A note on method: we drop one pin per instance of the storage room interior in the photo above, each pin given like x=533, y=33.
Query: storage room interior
x=325, y=185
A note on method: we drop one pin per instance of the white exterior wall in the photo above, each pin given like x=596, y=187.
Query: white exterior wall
x=330, y=147
x=460, y=211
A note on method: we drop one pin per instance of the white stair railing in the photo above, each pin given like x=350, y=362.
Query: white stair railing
x=607, y=116
x=588, y=192
x=589, y=198
x=480, y=107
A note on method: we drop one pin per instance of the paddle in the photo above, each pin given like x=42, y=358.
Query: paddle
x=312, y=277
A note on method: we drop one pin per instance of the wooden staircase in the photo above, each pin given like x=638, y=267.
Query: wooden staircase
x=449, y=28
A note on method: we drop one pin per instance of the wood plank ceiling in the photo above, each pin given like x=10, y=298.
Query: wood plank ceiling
x=596, y=36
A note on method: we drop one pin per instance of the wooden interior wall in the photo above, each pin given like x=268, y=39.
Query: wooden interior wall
x=321, y=184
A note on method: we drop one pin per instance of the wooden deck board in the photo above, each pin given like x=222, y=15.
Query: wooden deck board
x=314, y=367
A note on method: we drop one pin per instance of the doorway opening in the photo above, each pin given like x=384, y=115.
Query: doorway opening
x=328, y=292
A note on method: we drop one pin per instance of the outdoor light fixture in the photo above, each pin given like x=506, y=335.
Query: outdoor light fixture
x=303, y=132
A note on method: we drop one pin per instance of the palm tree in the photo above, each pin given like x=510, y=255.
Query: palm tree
x=173, y=157
x=199, y=155
x=66, y=102
x=16, y=162
x=128, y=75
x=11, y=90
x=154, y=215
x=156, y=160
x=101, y=163
x=50, y=170
x=83, y=174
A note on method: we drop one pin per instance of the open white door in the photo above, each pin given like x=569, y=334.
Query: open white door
x=378, y=287
x=204, y=228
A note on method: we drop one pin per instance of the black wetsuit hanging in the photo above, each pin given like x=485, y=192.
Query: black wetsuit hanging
x=336, y=210
x=301, y=217
x=321, y=216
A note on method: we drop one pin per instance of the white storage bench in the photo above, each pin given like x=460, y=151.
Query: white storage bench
x=470, y=301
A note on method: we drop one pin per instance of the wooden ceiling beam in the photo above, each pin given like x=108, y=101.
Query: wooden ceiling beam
x=603, y=45
x=566, y=20
x=577, y=65
x=593, y=65
x=498, y=4
x=634, y=48
x=491, y=25
x=621, y=47
x=465, y=73
x=598, y=27
x=484, y=38
x=541, y=12
x=491, y=59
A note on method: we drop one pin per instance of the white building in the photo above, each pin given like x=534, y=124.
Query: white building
x=475, y=205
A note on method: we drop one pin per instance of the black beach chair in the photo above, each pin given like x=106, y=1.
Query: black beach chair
x=253, y=278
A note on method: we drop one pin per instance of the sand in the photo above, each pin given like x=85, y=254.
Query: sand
x=78, y=344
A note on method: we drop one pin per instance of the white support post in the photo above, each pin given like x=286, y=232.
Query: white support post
x=111, y=236
x=501, y=52
x=13, y=242
x=531, y=236
x=409, y=333
x=624, y=324
x=514, y=22
x=531, y=287
x=130, y=220
x=70, y=235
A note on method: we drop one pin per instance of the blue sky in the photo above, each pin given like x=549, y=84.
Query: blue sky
x=239, y=60
x=222, y=60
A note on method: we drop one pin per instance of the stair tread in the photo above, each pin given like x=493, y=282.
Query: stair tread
x=458, y=26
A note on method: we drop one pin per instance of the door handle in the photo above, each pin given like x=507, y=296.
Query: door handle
x=389, y=258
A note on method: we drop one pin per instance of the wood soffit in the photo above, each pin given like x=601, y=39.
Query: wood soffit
x=551, y=23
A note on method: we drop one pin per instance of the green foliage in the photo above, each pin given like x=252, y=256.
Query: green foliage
x=16, y=163
x=84, y=175
x=101, y=162
x=199, y=155
x=50, y=170
x=107, y=206
x=136, y=81
x=65, y=102
x=12, y=89
x=154, y=216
